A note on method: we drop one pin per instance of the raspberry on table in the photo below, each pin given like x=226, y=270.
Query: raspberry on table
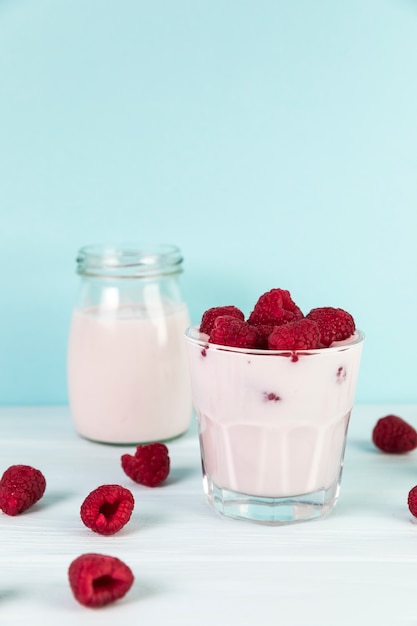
x=229, y=331
x=209, y=316
x=149, y=465
x=275, y=307
x=20, y=487
x=300, y=335
x=334, y=324
x=412, y=501
x=107, y=509
x=394, y=435
x=99, y=579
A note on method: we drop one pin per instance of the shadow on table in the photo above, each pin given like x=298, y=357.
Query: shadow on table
x=8, y=595
x=361, y=444
x=179, y=474
x=52, y=498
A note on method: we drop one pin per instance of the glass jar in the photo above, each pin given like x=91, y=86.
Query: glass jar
x=128, y=379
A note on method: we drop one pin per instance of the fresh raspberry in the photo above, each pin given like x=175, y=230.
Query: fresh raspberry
x=275, y=307
x=20, y=487
x=107, y=509
x=334, y=324
x=229, y=331
x=207, y=321
x=412, y=501
x=300, y=335
x=98, y=579
x=393, y=434
x=149, y=466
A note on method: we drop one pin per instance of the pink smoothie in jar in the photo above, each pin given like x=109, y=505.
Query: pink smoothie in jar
x=126, y=375
x=128, y=378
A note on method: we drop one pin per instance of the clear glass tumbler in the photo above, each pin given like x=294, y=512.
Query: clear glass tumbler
x=272, y=426
x=128, y=378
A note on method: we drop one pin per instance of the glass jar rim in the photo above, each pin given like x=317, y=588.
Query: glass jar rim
x=129, y=260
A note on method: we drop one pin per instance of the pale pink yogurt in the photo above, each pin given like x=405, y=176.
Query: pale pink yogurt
x=273, y=424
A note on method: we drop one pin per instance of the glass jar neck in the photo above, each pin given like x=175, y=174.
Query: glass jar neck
x=129, y=260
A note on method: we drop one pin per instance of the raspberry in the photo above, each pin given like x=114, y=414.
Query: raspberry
x=412, y=501
x=149, y=466
x=275, y=307
x=20, y=487
x=107, y=509
x=300, y=335
x=207, y=321
x=394, y=435
x=334, y=324
x=98, y=579
x=229, y=331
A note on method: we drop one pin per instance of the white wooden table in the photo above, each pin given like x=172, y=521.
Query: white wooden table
x=192, y=567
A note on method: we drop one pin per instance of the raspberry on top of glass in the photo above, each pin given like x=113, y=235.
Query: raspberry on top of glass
x=277, y=323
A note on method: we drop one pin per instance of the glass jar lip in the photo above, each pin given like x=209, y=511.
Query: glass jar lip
x=129, y=260
x=194, y=337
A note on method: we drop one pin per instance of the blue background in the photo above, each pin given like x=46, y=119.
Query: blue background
x=274, y=142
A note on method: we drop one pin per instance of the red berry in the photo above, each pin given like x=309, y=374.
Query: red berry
x=300, y=335
x=394, y=435
x=412, y=501
x=275, y=307
x=107, y=509
x=207, y=321
x=229, y=331
x=149, y=466
x=98, y=579
x=20, y=487
x=334, y=324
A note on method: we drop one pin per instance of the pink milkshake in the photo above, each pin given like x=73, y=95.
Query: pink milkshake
x=272, y=425
x=127, y=375
x=128, y=379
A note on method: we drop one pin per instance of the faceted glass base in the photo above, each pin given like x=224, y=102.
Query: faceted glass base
x=272, y=511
